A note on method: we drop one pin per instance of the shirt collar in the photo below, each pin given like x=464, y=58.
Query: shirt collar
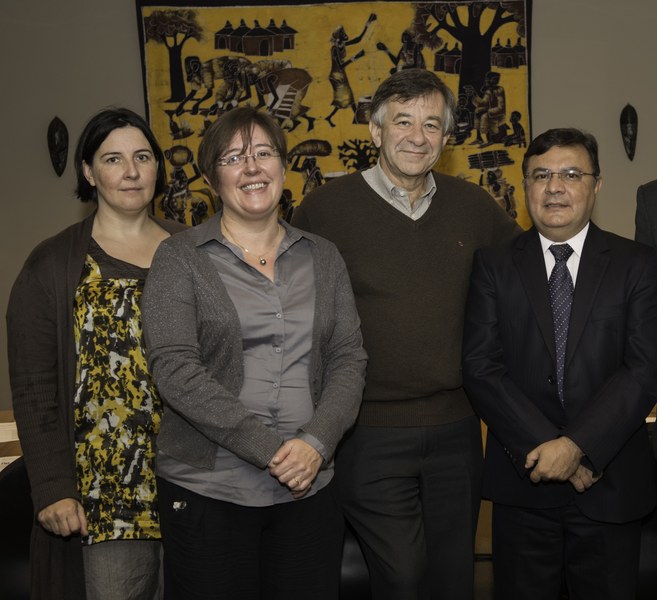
x=210, y=230
x=576, y=242
x=382, y=185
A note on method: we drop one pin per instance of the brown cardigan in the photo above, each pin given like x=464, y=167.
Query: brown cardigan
x=42, y=361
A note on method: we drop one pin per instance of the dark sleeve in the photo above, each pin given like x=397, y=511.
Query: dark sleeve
x=643, y=231
x=311, y=214
x=621, y=405
x=301, y=218
x=504, y=227
x=33, y=334
x=514, y=419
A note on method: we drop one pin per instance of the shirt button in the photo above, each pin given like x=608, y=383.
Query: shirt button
x=275, y=386
x=279, y=315
x=278, y=350
x=551, y=380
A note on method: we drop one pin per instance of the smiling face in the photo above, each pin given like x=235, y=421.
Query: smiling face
x=123, y=171
x=558, y=209
x=410, y=138
x=252, y=189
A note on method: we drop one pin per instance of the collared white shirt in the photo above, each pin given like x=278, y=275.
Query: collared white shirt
x=397, y=196
x=576, y=243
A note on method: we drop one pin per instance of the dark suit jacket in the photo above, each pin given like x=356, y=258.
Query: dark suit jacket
x=610, y=373
x=646, y=214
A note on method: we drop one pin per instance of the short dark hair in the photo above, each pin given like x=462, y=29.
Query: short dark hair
x=240, y=120
x=409, y=84
x=562, y=137
x=94, y=134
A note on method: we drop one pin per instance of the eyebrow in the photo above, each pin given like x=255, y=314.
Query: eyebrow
x=561, y=169
x=410, y=116
x=115, y=152
x=230, y=150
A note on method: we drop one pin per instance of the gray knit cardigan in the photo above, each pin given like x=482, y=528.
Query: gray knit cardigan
x=194, y=344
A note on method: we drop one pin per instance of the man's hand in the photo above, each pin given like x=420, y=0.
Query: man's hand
x=556, y=460
x=583, y=479
x=295, y=465
x=64, y=517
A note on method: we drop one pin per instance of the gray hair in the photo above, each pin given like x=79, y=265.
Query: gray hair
x=410, y=84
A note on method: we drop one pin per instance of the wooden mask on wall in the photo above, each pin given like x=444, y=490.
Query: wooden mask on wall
x=629, y=123
x=58, y=145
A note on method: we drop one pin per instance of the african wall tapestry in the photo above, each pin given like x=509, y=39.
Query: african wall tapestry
x=315, y=68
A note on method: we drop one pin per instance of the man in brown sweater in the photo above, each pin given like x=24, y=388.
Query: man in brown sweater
x=409, y=473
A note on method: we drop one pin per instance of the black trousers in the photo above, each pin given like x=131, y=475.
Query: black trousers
x=536, y=551
x=220, y=550
x=412, y=495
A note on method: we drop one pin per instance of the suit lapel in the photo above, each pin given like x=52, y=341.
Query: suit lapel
x=528, y=257
x=592, y=267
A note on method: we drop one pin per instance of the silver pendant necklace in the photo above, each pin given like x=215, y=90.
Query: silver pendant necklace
x=261, y=257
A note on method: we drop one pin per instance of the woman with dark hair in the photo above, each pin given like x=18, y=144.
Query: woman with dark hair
x=254, y=342
x=86, y=408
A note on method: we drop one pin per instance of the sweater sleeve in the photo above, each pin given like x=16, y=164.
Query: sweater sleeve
x=503, y=226
x=342, y=356
x=179, y=362
x=300, y=218
x=33, y=351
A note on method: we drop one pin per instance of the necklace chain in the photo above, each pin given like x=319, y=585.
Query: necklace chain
x=261, y=257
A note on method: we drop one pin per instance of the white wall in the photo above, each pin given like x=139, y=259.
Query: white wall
x=66, y=58
x=589, y=59
x=69, y=58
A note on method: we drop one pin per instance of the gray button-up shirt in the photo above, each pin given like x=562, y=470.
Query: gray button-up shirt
x=276, y=318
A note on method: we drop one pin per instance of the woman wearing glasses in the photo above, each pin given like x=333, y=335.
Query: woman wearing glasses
x=255, y=344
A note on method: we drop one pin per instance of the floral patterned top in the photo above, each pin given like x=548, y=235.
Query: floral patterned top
x=117, y=409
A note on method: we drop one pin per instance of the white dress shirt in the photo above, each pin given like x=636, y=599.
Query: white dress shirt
x=576, y=243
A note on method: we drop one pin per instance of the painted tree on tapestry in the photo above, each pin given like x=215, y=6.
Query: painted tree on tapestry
x=173, y=28
x=475, y=37
x=315, y=68
x=482, y=103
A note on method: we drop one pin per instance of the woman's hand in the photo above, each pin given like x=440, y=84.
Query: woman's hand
x=295, y=465
x=64, y=517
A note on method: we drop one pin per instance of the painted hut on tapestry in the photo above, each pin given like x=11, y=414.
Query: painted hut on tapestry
x=448, y=61
x=510, y=57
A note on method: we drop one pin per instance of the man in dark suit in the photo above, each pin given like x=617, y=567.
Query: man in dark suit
x=646, y=214
x=560, y=361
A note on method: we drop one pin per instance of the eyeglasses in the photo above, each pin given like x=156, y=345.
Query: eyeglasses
x=566, y=175
x=239, y=159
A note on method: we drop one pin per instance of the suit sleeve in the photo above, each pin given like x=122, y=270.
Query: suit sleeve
x=511, y=416
x=643, y=231
x=619, y=408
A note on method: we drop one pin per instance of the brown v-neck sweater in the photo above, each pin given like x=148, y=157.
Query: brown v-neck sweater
x=410, y=279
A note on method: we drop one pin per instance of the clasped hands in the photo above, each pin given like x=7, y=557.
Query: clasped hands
x=295, y=465
x=559, y=460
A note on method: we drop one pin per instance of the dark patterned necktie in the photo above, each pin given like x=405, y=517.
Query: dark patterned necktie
x=561, y=289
